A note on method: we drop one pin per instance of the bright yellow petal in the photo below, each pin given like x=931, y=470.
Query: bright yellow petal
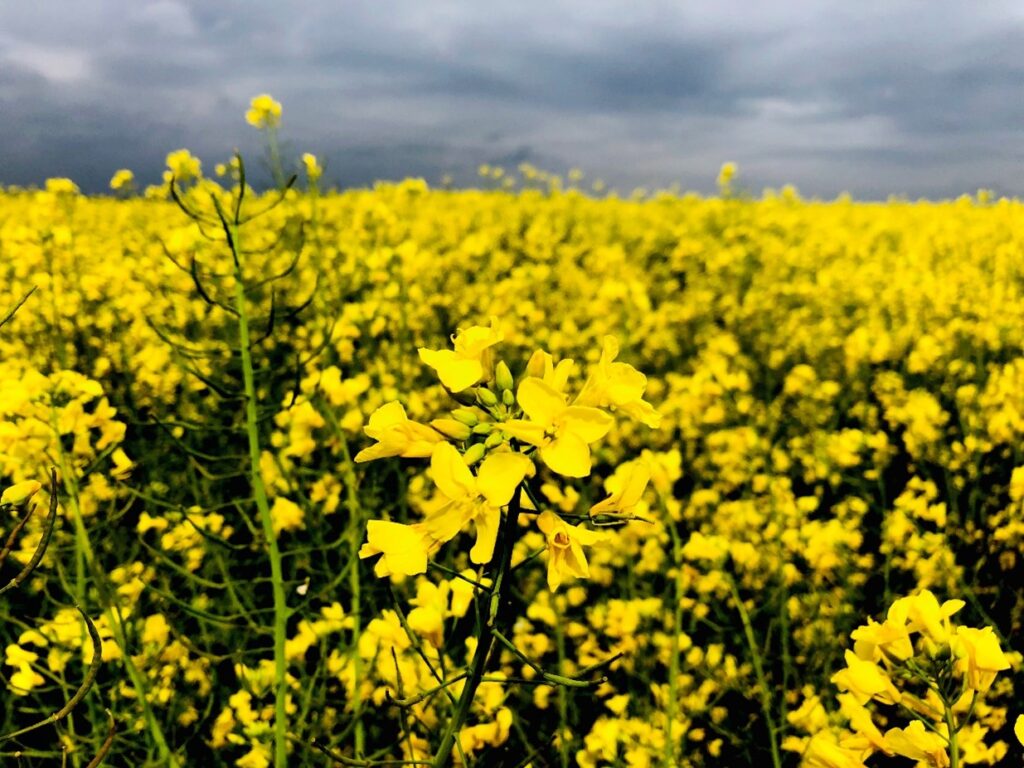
x=567, y=455
x=456, y=372
x=542, y=403
x=500, y=474
x=588, y=424
x=525, y=431
x=387, y=416
x=451, y=474
x=487, y=525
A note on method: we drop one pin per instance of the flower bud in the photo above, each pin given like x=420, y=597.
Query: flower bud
x=466, y=415
x=494, y=440
x=486, y=397
x=508, y=398
x=503, y=376
x=484, y=428
x=19, y=493
x=452, y=428
x=473, y=454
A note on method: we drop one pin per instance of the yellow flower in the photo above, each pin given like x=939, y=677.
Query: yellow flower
x=286, y=515
x=258, y=757
x=405, y=548
x=916, y=743
x=627, y=488
x=263, y=112
x=122, y=180
x=313, y=169
x=397, y=435
x=823, y=751
x=561, y=432
x=19, y=493
x=619, y=386
x=982, y=655
x=1018, y=728
x=865, y=680
x=122, y=464
x=473, y=499
x=183, y=166
x=565, y=548
x=24, y=680
x=466, y=365
x=890, y=638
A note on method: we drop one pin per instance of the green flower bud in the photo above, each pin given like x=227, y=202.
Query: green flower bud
x=486, y=397
x=466, y=415
x=473, y=454
x=484, y=428
x=503, y=376
x=452, y=428
x=494, y=440
x=508, y=398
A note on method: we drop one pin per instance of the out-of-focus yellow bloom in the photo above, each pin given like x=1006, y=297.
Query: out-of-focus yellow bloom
x=473, y=499
x=1018, y=728
x=264, y=112
x=19, y=493
x=183, y=166
x=561, y=432
x=566, y=558
x=405, y=548
x=469, y=361
x=397, y=435
x=313, y=168
x=286, y=515
x=122, y=180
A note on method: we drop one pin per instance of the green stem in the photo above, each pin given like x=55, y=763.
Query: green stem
x=486, y=640
x=673, y=661
x=263, y=507
x=762, y=680
x=954, y=744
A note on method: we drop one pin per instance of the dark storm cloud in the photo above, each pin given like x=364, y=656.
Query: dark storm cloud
x=906, y=96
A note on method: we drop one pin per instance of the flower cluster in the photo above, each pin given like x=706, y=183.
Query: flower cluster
x=503, y=430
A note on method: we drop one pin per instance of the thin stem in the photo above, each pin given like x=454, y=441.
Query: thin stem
x=486, y=640
x=263, y=507
x=762, y=680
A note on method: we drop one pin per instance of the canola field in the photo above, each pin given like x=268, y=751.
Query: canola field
x=508, y=477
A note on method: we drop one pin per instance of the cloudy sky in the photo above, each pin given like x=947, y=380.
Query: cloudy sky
x=915, y=97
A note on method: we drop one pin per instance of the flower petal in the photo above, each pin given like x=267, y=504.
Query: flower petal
x=567, y=455
x=500, y=474
x=542, y=403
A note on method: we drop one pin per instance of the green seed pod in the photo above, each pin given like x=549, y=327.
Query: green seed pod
x=467, y=416
x=473, y=454
x=503, y=376
x=485, y=396
x=452, y=428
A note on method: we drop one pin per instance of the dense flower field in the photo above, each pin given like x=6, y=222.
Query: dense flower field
x=510, y=477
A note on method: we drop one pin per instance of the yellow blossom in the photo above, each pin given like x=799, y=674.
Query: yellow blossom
x=565, y=548
x=468, y=362
x=561, y=432
x=397, y=435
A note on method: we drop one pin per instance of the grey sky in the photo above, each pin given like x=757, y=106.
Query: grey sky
x=919, y=97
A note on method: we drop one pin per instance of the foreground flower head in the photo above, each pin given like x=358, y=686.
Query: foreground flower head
x=464, y=366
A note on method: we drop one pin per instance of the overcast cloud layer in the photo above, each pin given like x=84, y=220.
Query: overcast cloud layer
x=922, y=98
